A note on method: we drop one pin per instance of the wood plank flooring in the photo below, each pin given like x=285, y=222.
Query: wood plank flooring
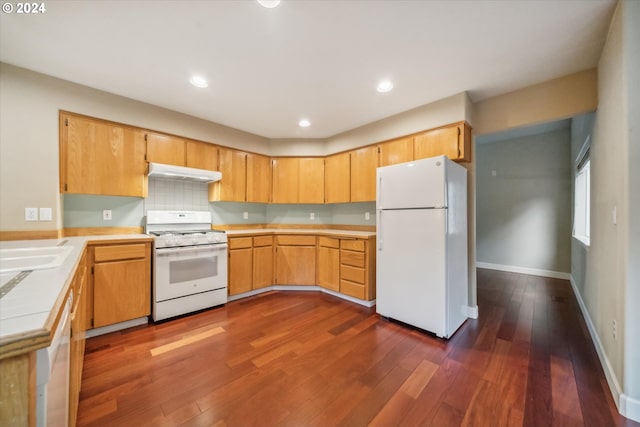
x=309, y=359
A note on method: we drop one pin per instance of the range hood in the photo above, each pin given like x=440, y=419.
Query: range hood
x=181, y=172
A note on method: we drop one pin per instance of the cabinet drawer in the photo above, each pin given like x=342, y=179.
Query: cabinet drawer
x=240, y=243
x=352, y=274
x=352, y=289
x=355, y=259
x=262, y=241
x=296, y=240
x=328, y=242
x=352, y=245
x=119, y=252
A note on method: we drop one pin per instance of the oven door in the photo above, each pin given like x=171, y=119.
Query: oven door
x=189, y=270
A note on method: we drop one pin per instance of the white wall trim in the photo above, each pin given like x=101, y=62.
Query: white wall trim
x=304, y=289
x=629, y=407
x=524, y=270
x=117, y=327
x=472, y=312
x=622, y=401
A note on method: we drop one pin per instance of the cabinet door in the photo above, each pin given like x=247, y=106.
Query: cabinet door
x=232, y=187
x=240, y=271
x=166, y=149
x=329, y=268
x=295, y=265
x=201, y=155
x=285, y=180
x=258, y=178
x=100, y=158
x=452, y=141
x=262, y=267
x=363, y=174
x=121, y=291
x=396, y=151
x=311, y=180
x=337, y=178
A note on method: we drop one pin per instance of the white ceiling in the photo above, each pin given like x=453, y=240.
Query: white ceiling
x=321, y=60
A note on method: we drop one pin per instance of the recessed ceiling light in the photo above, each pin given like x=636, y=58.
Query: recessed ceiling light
x=269, y=4
x=304, y=123
x=198, y=81
x=384, y=86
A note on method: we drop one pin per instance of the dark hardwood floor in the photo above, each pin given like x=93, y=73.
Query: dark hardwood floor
x=309, y=359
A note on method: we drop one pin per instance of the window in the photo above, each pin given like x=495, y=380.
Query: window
x=582, y=194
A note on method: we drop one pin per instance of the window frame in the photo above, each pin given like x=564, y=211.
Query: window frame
x=581, y=230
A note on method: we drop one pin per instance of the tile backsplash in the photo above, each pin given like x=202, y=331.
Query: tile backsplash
x=174, y=194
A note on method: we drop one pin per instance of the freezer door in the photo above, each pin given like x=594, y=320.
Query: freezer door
x=411, y=269
x=416, y=184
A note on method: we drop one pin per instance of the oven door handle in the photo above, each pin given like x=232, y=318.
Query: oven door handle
x=191, y=250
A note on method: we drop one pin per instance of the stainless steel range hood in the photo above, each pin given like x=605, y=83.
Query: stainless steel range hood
x=181, y=172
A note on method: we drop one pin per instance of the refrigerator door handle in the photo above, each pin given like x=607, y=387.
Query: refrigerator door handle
x=379, y=231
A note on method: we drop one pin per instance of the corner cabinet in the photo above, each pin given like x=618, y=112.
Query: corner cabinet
x=295, y=260
x=121, y=282
x=99, y=157
x=298, y=180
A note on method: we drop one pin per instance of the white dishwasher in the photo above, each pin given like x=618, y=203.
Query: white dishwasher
x=52, y=374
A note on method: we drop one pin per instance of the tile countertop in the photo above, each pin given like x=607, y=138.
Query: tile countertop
x=25, y=309
x=328, y=232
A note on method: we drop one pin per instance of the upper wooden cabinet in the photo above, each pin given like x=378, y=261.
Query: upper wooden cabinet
x=298, y=180
x=258, y=178
x=453, y=141
x=337, y=178
x=98, y=157
x=201, y=155
x=397, y=151
x=166, y=149
x=364, y=162
x=232, y=186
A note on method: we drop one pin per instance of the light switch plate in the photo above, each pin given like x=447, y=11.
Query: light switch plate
x=245, y=215
x=106, y=215
x=46, y=214
x=367, y=216
x=312, y=216
x=30, y=214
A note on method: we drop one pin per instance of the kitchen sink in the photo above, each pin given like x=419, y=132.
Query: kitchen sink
x=38, y=258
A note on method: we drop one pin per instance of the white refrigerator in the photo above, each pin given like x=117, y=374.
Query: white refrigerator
x=422, y=257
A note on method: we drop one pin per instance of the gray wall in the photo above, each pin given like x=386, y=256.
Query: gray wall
x=524, y=211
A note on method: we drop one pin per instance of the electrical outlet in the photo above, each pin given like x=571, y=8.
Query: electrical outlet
x=367, y=216
x=614, y=329
x=494, y=173
x=30, y=214
x=312, y=215
x=46, y=214
x=245, y=215
x=106, y=215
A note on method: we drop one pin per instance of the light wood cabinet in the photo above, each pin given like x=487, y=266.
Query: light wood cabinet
x=98, y=157
x=453, y=141
x=295, y=260
x=166, y=149
x=337, y=178
x=121, y=282
x=78, y=336
x=397, y=151
x=364, y=162
x=262, y=261
x=298, y=180
x=329, y=263
x=232, y=186
x=357, y=268
x=201, y=155
x=240, y=265
x=258, y=178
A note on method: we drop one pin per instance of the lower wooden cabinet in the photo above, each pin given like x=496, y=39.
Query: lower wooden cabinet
x=240, y=269
x=296, y=260
x=329, y=263
x=357, y=268
x=262, y=261
x=121, y=282
x=77, y=344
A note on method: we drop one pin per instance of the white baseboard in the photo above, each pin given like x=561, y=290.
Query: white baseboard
x=524, y=270
x=627, y=406
x=304, y=289
x=117, y=327
x=472, y=312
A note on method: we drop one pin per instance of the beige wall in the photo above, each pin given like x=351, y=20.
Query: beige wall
x=556, y=99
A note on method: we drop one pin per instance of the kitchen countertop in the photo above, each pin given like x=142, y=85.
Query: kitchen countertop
x=28, y=311
x=324, y=231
